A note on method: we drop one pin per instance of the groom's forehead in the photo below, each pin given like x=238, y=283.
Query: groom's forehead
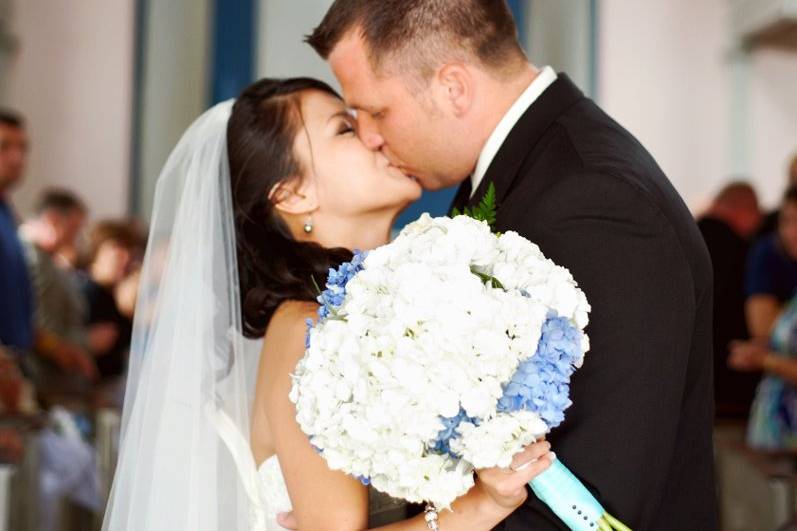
x=355, y=79
x=363, y=88
x=349, y=60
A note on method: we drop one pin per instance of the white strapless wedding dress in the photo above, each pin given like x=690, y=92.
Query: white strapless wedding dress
x=264, y=485
x=273, y=494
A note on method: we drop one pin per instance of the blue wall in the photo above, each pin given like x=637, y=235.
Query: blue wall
x=140, y=35
x=435, y=203
x=520, y=8
x=234, y=47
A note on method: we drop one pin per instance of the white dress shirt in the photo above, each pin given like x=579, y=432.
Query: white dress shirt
x=543, y=80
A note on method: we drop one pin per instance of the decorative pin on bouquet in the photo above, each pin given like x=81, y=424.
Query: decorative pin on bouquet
x=447, y=350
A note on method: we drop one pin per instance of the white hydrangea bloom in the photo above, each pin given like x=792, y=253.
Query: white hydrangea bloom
x=418, y=337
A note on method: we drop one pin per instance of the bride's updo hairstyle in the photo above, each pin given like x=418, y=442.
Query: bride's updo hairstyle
x=272, y=265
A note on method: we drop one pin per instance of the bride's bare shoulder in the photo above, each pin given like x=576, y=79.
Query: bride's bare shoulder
x=287, y=329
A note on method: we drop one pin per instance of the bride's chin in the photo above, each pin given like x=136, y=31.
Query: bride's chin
x=414, y=189
x=405, y=204
x=412, y=196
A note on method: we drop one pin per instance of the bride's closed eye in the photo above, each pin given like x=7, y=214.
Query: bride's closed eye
x=345, y=128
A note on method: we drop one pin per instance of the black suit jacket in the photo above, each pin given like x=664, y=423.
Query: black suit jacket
x=639, y=433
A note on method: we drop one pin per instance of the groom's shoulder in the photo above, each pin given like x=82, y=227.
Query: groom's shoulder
x=603, y=144
x=585, y=160
x=609, y=165
x=602, y=151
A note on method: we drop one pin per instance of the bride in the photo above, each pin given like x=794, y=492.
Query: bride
x=255, y=204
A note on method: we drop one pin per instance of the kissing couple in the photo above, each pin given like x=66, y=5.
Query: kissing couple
x=264, y=195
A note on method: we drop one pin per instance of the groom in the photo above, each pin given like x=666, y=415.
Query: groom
x=444, y=90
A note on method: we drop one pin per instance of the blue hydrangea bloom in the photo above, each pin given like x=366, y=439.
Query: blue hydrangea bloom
x=335, y=293
x=441, y=444
x=333, y=296
x=542, y=382
x=309, y=323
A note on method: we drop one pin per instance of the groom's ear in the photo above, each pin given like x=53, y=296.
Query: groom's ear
x=296, y=196
x=453, y=87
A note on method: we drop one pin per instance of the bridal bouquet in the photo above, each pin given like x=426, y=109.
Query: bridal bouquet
x=449, y=349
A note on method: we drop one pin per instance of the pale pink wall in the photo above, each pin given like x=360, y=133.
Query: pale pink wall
x=672, y=73
x=72, y=79
x=773, y=118
x=663, y=74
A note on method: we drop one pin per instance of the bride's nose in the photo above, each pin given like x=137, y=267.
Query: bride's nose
x=368, y=132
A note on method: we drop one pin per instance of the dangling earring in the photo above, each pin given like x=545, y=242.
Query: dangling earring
x=308, y=224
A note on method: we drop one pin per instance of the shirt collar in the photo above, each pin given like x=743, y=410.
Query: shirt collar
x=543, y=80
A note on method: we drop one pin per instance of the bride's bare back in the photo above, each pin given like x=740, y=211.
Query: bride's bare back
x=321, y=498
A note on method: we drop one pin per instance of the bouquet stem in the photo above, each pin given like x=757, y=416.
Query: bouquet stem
x=613, y=523
x=570, y=500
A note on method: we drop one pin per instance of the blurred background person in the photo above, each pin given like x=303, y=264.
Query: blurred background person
x=126, y=294
x=18, y=321
x=12, y=446
x=59, y=307
x=727, y=227
x=113, y=254
x=21, y=334
x=770, y=222
x=58, y=219
x=771, y=276
x=773, y=418
x=16, y=294
x=15, y=396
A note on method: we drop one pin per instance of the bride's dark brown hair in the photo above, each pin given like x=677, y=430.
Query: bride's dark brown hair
x=272, y=265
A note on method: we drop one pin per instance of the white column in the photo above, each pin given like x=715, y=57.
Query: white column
x=174, y=85
x=7, y=46
x=282, y=26
x=560, y=34
x=771, y=118
x=739, y=62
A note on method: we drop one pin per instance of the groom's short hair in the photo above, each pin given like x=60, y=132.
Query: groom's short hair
x=421, y=34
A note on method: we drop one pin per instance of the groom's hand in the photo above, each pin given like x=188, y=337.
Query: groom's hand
x=288, y=521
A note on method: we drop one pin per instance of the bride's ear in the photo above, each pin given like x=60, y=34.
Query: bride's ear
x=295, y=196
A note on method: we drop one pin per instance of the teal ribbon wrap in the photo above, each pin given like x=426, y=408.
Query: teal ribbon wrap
x=558, y=488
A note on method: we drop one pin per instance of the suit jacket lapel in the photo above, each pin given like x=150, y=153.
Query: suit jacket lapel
x=505, y=167
x=462, y=196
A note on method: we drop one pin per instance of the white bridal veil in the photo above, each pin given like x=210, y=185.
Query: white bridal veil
x=184, y=460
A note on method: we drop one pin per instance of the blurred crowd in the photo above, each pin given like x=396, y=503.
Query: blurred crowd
x=755, y=311
x=67, y=296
